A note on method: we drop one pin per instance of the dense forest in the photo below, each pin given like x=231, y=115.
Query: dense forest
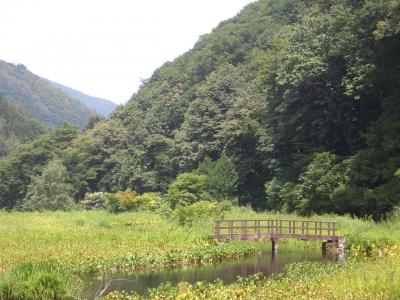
x=39, y=99
x=290, y=105
x=16, y=127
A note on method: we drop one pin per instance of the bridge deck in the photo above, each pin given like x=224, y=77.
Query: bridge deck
x=275, y=229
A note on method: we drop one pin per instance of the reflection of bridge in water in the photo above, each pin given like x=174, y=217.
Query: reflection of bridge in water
x=281, y=229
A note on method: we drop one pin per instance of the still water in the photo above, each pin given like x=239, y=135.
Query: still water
x=228, y=272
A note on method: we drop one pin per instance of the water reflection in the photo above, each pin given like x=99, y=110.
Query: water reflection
x=140, y=281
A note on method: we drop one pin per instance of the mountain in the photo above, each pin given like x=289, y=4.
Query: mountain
x=16, y=127
x=102, y=106
x=38, y=98
x=302, y=96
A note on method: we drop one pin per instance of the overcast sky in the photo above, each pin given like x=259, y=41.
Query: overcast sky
x=104, y=47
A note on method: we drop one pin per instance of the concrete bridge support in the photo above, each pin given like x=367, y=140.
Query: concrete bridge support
x=335, y=248
x=275, y=245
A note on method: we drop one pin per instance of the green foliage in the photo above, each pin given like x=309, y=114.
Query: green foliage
x=150, y=201
x=37, y=97
x=51, y=190
x=96, y=200
x=187, y=189
x=199, y=211
x=37, y=281
x=321, y=177
x=318, y=188
x=122, y=201
x=127, y=199
x=274, y=195
x=112, y=203
x=16, y=127
x=273, y=89
x=221, y=177
x=26, y=162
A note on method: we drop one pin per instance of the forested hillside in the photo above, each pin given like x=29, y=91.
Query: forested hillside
x=102, y=106
x=300, y=97
x=16, y=127
x=38, y=98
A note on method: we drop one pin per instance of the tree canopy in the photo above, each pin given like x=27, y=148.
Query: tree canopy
x=301, y=96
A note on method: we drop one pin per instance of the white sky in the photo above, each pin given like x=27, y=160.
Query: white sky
x=104, y=47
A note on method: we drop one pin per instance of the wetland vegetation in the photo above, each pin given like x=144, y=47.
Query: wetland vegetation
x=51, y=253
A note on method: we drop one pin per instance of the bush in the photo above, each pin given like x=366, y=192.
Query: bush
x=93, y=201
x=127, y=199
x=187, y=189
x=112, y=203
x=149, y=201
x=130, y=200
x=190, y=214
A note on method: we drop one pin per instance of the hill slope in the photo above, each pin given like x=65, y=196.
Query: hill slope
x=37, y=97
x=102, y=106
x=16, y=127
x=302, y=96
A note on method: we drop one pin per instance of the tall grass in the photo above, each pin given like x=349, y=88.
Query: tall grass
x=38, y=281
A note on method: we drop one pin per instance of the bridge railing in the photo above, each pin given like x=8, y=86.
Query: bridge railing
x=243, y=229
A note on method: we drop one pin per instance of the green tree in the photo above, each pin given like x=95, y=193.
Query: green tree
x=221, y=177
x=21, y=165
x=51, y=190
x=187, y=189
x=322, y=176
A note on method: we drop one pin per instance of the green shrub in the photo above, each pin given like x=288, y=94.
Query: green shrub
x=95, y=200
x=112, y=203
x=149, y=201
x=187, y=189
x=122, y=201
x=37, y=281
x=127, y=199
x=190, y=214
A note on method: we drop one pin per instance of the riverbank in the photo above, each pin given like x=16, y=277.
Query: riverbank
x=369, y=279
x=51, y=252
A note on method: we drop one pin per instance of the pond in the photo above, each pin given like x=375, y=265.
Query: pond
x=228, y=271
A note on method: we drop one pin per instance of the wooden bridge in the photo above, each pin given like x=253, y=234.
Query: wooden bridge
x=278, y=229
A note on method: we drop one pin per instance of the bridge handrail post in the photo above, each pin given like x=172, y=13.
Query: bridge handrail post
x=315, y=228
x=217, y=229
x=307, y=228
x=320, y=228
x=329, y=228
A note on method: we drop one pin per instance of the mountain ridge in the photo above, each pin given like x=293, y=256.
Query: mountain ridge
x=38, y=98
x=103, y=106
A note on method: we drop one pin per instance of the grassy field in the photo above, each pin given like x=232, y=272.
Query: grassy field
x=38, y=249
